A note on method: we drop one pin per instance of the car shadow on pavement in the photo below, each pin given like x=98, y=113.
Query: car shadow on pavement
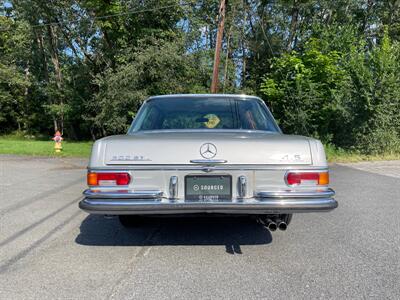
x=232, y=232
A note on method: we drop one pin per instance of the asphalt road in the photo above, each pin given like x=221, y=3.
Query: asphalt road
x=50, y=249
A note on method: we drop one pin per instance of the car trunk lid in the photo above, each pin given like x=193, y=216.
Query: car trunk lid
x=183, y=147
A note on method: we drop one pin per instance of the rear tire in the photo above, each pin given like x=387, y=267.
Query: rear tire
x=128, y=221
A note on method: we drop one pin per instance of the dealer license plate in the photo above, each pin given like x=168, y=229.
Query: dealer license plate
x=208, y=188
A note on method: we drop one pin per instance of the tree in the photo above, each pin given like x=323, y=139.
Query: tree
x=14, y=74
x=302, y=91
x=152, y=68
x=327, y=68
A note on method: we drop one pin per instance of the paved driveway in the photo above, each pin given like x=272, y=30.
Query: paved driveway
x=50, y=249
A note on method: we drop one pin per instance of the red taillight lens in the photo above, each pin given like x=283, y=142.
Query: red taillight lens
x=108, y=179
x=307, y=178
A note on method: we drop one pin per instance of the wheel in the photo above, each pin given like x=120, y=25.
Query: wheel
x=130, y=221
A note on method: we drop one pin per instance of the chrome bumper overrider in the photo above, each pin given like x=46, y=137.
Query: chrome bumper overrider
x=153, y=202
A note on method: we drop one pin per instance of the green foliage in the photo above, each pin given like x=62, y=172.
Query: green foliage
x=374, y=101
x=351, y=100
x=13, y=79
x=153, y=68
x=327, y=68
x=341, y=155
x=302, y=91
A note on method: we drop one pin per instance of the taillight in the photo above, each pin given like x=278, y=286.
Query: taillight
x=307, y=178
x=108, y=179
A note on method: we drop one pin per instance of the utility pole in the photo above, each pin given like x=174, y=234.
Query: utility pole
x=218, y=44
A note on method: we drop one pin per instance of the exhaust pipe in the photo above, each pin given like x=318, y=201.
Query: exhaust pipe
x=271, y=225
x=281, y=224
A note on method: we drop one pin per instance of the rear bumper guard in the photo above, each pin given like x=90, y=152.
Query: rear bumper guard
x=154, y=203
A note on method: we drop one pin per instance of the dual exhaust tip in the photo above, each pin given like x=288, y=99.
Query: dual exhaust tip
x=274, y=224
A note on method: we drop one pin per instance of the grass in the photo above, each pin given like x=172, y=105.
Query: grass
x=21, y=145
x=339, y=155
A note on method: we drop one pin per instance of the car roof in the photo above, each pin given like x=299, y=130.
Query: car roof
x=174, y=96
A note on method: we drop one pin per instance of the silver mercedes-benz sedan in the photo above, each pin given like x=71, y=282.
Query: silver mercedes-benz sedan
x=217, y=154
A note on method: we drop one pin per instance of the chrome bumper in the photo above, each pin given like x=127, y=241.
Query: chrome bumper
x=153, y=202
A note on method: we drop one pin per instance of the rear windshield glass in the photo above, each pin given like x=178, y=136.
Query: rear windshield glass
x=203, y=113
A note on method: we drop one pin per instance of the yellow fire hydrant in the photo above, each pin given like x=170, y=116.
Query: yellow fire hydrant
x=57, y=139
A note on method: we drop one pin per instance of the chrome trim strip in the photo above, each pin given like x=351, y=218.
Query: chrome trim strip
x=208, y=161
x=148, y=167
x=116, y=194
x=296, y=194
x=250, y=206
x=173, y=187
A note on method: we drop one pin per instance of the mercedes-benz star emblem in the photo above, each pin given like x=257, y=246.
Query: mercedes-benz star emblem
x=208, y=150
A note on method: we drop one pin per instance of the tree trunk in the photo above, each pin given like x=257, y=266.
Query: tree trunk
x=40, y=42
x=227, y=50
x=55, y=124
x=92, y=133
x=220, y=33
x=54, y=56
x=226, y=60
x=243, y=45
x=56, y=62
x=26, y=92
x=293, y=24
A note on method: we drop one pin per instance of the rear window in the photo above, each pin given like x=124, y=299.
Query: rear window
x=203, y=113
